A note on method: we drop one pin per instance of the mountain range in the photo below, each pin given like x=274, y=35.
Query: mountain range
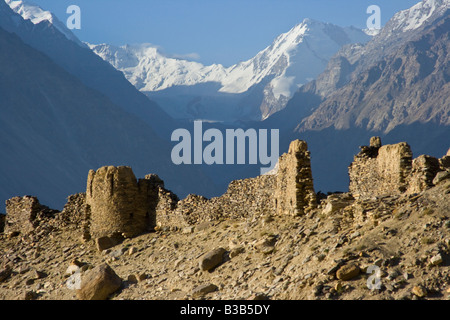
x=249, y=90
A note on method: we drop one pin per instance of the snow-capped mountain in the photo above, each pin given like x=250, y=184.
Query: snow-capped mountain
x=293, y=59
x=414, y=17
x=36, y=15
x=150, y=70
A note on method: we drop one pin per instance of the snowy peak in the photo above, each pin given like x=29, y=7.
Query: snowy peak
x=150, y=70
x=36, y=15
x=414, y=17
x=294, y=58
x=291, y=60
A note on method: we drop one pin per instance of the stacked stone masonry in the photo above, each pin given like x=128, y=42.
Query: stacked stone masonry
x=391, y=170
x=294, y=190
x=23, y=213
x=116, y=205
x=121, y=206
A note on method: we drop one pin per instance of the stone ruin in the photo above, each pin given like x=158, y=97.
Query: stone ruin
x=294, y=191
x=119, y=205
x=116, y=205
x=23, y=214
x=391, y=170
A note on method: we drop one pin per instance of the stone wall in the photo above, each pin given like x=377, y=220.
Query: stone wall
x=243, y=198
x=390, y=170
x=444, y=162
x=76, y=214
x=23, y=213
x=117, y=205
x=294, y=192
x=424, y=169
x=290, y=190
x=165, y=209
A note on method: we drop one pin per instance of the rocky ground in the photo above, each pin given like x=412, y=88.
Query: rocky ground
x=325, y=255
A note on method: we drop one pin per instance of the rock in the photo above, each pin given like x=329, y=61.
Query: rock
x=203, y=226
x=74, y=267
x=266, y=245
x=375, y=142
x=436, y=260
x=132, y=278
x=5, y=273
x=204, y=289
x=30, y=295
x=354, y=235
x=419, y=291
x=212, y=259
x=142, y=277
x=38, y=275
x=338, y=263
x=117, y=253
x=132, y=251
x=259, y=297
x=104, y=243
x=347, y=272
x=236, y=251
x=441, y=176
x=187, y=230
x=338, y=287
x=378, y=262
x=99, y=283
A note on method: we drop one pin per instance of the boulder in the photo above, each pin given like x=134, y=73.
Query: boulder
x=99, y=283
x=348, y=272
x=212, y=259
x=204, y=289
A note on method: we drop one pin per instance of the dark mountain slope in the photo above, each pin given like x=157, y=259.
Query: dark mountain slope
x=53, y=129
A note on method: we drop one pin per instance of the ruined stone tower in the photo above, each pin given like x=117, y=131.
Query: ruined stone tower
x=294, y=192
x=121, y=206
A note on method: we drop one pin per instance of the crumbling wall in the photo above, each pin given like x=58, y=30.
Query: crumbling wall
x=424, y=169
x=74, y=211
x=379, y=170
x=165, y=210
x=294, y=192
x=76, y=214
x=444, y=162
x=390, y=170
x=289, y=191
x=243, y=198
x=23, y=214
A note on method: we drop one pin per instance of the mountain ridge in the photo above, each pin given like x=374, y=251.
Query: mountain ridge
x=294, y=58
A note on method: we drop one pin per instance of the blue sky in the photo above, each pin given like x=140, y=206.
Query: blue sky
x=213, y=31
